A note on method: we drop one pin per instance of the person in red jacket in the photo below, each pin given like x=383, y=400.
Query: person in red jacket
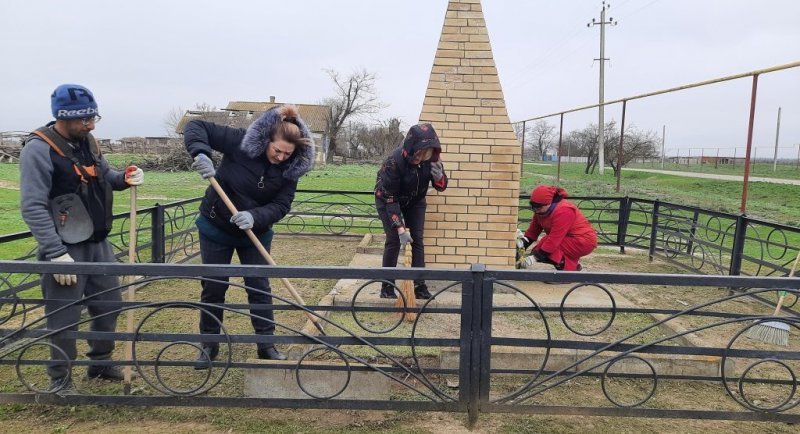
x=568, y=234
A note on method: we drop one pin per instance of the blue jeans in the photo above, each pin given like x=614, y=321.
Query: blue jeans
x=258, y=291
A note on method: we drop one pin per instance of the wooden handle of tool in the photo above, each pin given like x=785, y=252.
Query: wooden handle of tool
x=407, y=253
x=131, y=290
x=784, y=293
x=261, y=249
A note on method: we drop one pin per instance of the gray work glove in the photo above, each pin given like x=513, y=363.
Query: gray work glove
x=437, y=171
x=65, y=279
x=204, y=166
x=243, y=219
x=405, y=238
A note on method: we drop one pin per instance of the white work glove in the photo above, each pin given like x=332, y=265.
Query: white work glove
x=243, y=219
x=437, y=171
x=65, y=279
x=134, y=176
x=405, y=237
x=204, y=166
x=529, y=261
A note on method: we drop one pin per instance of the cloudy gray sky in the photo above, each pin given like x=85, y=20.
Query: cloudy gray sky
x=144, y=58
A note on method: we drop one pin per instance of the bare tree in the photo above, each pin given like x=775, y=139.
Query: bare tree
x=371, y=142
x=542, y=135
x=174, y=116
x=355, y=96
x=635, y=144
x=538, y=138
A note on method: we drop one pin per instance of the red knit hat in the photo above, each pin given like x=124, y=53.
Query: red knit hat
x=543, y=195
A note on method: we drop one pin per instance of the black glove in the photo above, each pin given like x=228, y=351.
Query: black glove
x=526, y=242
x=540, y=256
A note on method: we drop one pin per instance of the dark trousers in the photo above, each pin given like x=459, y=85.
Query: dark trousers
x=414, y=218
x=258, y=291
x=89, y=286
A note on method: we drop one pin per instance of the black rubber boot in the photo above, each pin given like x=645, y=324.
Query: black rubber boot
x=421, y=292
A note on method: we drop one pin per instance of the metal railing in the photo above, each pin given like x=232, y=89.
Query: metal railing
x=570, y=358
x=455, y=356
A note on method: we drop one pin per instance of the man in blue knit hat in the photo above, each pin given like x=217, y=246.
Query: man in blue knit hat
x=66, y=200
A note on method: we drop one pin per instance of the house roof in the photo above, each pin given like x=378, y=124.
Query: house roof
x=316, y=116
x=240, y=114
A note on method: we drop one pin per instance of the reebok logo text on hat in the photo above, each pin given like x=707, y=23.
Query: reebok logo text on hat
x=73, y=101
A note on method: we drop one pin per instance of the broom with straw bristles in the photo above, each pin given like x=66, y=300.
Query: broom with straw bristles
x=774, y=332
x=408, y=299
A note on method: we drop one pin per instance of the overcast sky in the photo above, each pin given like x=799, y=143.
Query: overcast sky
x=144, y=58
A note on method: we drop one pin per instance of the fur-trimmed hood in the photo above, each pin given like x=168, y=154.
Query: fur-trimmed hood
x=257, y=138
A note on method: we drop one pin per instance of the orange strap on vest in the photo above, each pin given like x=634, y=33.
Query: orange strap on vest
x=80, y=170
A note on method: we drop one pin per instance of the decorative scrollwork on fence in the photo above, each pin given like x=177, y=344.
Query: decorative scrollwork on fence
x=332, y=213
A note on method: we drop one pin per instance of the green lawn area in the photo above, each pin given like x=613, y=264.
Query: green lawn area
x=772, y=202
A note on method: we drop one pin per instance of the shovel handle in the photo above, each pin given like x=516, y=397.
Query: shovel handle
x=126, y=372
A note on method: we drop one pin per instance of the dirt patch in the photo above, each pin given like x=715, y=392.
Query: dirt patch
x=9, y=185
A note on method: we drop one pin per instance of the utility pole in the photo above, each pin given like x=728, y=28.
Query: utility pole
x=663, y=134
x=777, y=134
x=601, y=122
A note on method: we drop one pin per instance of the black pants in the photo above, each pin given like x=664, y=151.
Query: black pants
x=414, y=217
x=212, y=252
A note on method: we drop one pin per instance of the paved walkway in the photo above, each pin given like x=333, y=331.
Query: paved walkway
x=542, y=293
x=718, y=176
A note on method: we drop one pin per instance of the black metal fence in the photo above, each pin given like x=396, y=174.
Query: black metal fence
x=487, y=341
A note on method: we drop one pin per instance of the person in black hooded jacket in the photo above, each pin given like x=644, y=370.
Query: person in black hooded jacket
x=400, y=190
x=259, y=172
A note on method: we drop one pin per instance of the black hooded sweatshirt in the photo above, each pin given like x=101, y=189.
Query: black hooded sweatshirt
x=399, y=183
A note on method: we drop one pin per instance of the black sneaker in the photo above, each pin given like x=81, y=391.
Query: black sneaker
x=270, y=353
x=207, y=355
x=105, y=372
x=421, y=292
x=387, y=291
x=62, y=386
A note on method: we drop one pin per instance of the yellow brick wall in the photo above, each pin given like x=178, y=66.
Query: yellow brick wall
x=474, y=220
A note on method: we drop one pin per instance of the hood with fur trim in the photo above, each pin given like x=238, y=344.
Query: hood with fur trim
x=257, y=138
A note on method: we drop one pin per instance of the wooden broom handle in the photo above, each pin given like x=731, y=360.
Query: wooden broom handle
x=783, y=293
x=256, y=242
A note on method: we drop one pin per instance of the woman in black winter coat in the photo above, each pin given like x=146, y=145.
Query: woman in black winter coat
x=400, y=191
x=259, y=172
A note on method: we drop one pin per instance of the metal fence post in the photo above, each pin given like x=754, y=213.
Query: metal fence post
x=692, y=231
x=622, y=222
x=739, y=238
x=653, y=231
x=472, y=373
x=157, y=234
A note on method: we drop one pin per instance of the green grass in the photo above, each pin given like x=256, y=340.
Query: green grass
x=763, y=170
x=772, y=202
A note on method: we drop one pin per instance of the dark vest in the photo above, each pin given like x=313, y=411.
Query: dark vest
x=75, y=170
